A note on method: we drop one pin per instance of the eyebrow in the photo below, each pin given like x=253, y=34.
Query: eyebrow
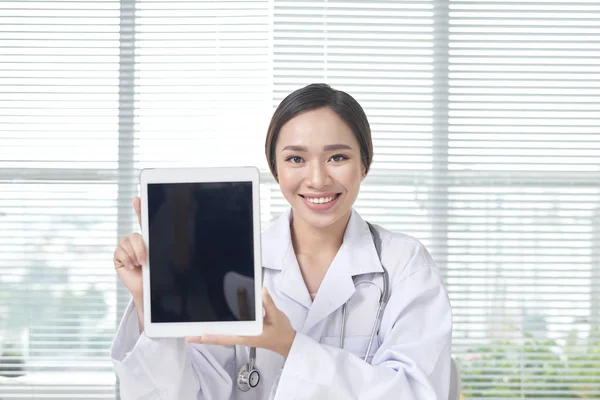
x=330, y=147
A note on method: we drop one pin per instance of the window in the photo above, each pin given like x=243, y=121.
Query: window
x=59, y=138
x=486, y=125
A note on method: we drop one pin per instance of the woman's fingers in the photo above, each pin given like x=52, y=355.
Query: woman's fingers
x=137, y=242
x=122, y=259
x=267, y=300
x=221, y=340
x=137, y=206
x=126, y=245
x=128, y=257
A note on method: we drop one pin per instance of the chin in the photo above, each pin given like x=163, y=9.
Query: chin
x=319, y=220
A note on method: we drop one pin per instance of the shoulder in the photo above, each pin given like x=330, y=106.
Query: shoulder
x=415, y=282
x=404, y=255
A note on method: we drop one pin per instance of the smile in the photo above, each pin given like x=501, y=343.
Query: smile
x=320, y=200
x=322, y=203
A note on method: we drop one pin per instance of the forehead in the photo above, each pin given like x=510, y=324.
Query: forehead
x=318, y=127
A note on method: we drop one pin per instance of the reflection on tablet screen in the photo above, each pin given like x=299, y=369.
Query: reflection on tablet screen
x=199, y=234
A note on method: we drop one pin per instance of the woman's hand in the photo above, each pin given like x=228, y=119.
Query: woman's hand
x=128, y=259
x=278, y=334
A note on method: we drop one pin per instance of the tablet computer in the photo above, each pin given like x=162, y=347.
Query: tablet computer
x=203, y=275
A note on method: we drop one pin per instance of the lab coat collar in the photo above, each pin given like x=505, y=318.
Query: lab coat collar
x=277, y=245
x=356, y=256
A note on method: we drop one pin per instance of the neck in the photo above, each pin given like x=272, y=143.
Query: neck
x=308, y=239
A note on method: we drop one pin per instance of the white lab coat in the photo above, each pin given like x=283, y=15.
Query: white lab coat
x=409, y=360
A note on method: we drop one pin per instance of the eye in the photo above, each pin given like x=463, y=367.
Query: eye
x=338, y=158
x=294, y=159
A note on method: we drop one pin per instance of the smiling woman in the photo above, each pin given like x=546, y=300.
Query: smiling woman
x=316, y=258
x=484, y=121
x=319, y=149
x=315, y=97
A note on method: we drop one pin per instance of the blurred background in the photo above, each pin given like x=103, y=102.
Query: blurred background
x=486, y=126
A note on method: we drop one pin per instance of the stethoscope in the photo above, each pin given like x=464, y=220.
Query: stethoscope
x=249, y=377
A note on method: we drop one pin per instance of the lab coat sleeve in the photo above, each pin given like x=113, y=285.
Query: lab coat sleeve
x=412, y=363
x=168, y=368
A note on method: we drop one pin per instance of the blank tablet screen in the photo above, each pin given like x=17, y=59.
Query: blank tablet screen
x=201, y=238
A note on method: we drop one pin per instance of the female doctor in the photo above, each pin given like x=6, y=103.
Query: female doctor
x=319, y=150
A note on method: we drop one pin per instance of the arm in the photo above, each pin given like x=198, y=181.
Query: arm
x=412, y=363
x=168, y=368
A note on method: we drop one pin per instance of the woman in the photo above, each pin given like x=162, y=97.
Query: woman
x=319, y=150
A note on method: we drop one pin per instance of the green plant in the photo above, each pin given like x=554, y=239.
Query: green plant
x=529, y=367
x=12, y=363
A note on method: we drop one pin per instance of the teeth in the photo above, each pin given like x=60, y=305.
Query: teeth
x=320, y=200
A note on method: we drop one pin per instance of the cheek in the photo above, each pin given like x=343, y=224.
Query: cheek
x=288, y=178
x=350, y=177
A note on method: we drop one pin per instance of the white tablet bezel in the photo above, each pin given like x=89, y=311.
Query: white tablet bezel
x=195, y=175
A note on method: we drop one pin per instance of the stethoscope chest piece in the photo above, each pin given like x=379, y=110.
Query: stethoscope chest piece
x=248, y=378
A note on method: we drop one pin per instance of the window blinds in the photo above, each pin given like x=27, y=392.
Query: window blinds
x=382, y=54
x=523, y=196
x=486, y=126
x=59, y=116
x=202, y=84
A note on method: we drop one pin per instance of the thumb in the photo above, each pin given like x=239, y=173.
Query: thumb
x=268, y=303
x=137, y=206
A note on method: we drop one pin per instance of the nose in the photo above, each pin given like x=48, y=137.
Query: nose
x=318, y=176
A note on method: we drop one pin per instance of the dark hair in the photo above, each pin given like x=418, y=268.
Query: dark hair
x=316, y=96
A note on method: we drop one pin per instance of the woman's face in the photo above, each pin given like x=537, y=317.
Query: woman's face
x=319, y=167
